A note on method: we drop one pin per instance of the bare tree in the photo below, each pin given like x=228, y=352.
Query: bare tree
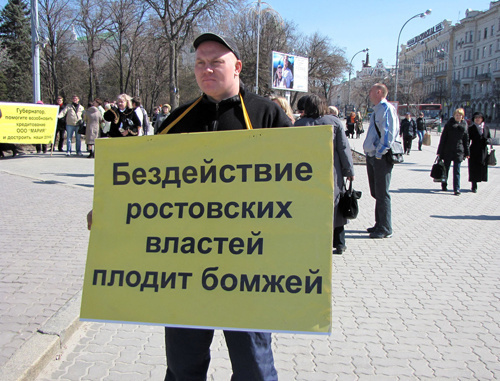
x=127, y=41
x=179, y=18
x=93, y=21
x=327, y=63
x=55, y=25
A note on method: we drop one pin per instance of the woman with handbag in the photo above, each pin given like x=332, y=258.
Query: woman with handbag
x=480, y=137
x=454, y=147
x=316, y=114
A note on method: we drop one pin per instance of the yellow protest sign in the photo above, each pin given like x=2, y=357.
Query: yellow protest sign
x=225, y=230
x=25, y=123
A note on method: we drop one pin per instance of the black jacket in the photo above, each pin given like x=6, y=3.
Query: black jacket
x=408, y=128
x=454, y=142
x=127, y=119
x=227, y=115
x=420, y=124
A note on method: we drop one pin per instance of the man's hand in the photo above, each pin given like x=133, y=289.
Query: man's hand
x=89, y=220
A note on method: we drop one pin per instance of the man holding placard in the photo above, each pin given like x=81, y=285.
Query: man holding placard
x=225, y=105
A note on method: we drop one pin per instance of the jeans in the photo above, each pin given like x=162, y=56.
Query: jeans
x=456, y=174
x=379, y=179
x=78, y=146
x=420, y=134
x=188, y=354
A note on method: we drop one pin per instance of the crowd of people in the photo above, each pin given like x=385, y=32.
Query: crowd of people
x=125, y=116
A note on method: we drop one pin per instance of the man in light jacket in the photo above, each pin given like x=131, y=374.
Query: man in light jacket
x=382, y=132
x=73, y=114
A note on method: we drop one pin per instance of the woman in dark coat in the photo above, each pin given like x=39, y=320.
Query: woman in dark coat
x=454, y=146
x=315, y=114
x=123, y=118
x=479, y=135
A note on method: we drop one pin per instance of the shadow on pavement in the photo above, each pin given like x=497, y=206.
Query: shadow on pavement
x=481, y=217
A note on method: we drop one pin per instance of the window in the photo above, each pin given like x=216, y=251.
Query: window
x=485, y=33
x=484, y=51
x=477, y=54
x=491, y=50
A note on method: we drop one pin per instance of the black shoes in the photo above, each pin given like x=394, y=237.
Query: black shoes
x=339, y=250
x=379, y=235
x=371, y=230
x=457, y=193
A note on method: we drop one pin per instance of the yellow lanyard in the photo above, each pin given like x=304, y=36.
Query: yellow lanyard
x=248, y=123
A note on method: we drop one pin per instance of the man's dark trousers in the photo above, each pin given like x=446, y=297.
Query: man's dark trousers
x=188, y=360
x=379, y=179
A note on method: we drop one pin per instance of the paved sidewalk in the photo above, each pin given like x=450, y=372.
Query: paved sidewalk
x=424, y=304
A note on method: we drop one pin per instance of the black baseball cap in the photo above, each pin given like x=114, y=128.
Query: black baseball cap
x=228, y=42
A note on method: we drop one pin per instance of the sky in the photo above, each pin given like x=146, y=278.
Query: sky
x=355, y=25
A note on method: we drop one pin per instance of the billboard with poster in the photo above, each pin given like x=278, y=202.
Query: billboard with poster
x=289, y=72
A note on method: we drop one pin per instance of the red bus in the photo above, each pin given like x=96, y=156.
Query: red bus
x=431, y=111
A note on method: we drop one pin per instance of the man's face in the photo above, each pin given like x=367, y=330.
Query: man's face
x=408, y=116
x=478, y=120
x=375, y=95
x=59, y=101
x=76, y=99
x=217, y=70
x=285, y=62
x=279, y=71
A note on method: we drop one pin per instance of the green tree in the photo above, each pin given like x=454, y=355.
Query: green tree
x=15, y=37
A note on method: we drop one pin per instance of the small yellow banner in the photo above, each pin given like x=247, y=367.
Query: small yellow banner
x=227, y=230
x=25, y=123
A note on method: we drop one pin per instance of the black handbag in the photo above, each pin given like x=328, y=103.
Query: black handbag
x=438, y=171
x=82, y=128
x=348, y=203
x=491, y=158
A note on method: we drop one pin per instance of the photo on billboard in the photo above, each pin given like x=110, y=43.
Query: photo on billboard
x=289, y=72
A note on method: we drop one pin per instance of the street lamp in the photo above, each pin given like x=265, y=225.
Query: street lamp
x=350, y=71
x=421, y=15
x=259, y=10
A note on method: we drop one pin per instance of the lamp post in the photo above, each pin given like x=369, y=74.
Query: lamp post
x=421, y=15
x=274, y=14
x=350, y=71
x=35, y=50
x=258, y=43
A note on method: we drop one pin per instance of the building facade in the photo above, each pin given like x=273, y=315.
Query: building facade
x=455, y=65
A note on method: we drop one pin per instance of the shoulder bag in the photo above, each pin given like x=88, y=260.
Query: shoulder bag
x=348, y=203
x=395, y=154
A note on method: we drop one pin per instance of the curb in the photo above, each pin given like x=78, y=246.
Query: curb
x=43, y=346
